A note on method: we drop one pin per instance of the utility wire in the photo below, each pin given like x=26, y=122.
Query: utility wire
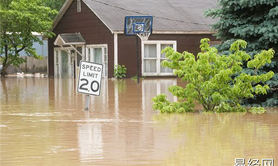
x=137, y=12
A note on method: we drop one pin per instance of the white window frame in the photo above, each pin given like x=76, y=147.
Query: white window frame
x=158, y=48
x=105, y=54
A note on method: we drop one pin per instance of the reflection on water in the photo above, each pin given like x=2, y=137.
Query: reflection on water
x=90, y=141
x=220, y=138
x=43, y=122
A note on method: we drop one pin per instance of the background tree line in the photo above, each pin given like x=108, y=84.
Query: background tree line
x=255, y=21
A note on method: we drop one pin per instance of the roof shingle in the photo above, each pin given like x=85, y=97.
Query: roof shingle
x=168, y=15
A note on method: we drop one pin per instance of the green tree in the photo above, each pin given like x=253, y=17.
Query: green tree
x=53, y=4
x=255, y=21
x=215, y=81
x=18, y=20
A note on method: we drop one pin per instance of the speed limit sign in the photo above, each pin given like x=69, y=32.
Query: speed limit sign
x=90, y=78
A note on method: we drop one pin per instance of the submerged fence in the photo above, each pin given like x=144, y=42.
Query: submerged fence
x=31, y=65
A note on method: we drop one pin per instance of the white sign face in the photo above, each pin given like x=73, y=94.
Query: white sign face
x=89, y=78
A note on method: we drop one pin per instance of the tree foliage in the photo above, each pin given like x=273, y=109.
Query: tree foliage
x=215, y=81
x=255, y=21
x=53, y=4
x=18, y=20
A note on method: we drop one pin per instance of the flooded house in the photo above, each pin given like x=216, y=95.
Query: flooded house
x=93, y=30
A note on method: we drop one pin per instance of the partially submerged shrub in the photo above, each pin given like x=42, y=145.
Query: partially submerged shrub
x=215, y=81
x=120, y=71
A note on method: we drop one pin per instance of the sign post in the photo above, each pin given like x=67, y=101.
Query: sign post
x=89, y=80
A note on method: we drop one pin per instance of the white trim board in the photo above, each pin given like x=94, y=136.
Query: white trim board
x=61, y=13
x=157, y=32
x=115, y=49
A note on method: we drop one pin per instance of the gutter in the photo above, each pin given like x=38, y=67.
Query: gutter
x=173, y=32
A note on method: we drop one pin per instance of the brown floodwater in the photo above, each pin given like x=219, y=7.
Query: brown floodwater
x=43, y=122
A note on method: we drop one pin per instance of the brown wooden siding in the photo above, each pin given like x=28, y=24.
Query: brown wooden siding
x=187, y=42
x=127, y=53
x=127, y=47
x=91, y=28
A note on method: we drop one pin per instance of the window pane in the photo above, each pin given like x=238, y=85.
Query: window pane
x=98, y=55
x=164, y=46
x=150, y=51
x=57, y=59
x=89, y=54
x=165, y=69
x=65, y=63
x=79, y=58
x=150, y=66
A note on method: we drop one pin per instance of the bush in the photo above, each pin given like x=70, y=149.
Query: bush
x=215, y=81
x=120, y=71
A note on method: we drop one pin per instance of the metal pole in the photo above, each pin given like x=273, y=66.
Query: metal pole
x=138, y=60
x=87, y=102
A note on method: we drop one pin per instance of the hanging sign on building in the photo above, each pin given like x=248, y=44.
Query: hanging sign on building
x=90, y=78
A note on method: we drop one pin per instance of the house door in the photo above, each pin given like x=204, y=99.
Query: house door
x=64, y=63
x=98, y=54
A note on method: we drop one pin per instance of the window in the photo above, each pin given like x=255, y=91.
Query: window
x=63, y=62
x=98, y=53
x=152, y=58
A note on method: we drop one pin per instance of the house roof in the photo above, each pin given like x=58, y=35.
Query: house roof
x=69, y=39
x=169, y=16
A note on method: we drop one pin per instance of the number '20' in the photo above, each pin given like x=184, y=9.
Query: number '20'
x=83, y=86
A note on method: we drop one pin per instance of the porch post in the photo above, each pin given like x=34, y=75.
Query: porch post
x=115, y=49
